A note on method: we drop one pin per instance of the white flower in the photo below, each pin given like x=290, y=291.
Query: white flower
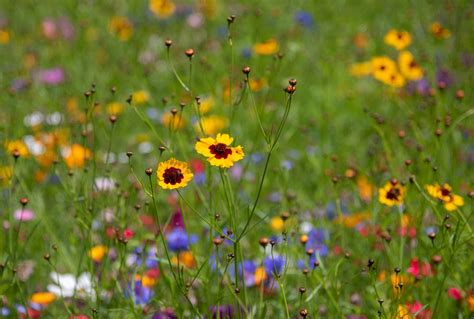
x=104, y=183
x=66, y=284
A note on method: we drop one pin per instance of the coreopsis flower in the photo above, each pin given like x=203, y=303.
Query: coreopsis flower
x=398, y=38
x=382, y=67
x=268, y=47
x=392, y=193
x=4, y=36
x=162, y=8
x=173, y=174
x=140, y=97
x=97, y=253
x=76, y=155
x=361, y=69
x=17, y=146
x=218, y=151
x=212, y=124
x=43, y=298
x=394, y=79
x=121, y=27
x=438, y=31
x=444, y=193
x=408, y=66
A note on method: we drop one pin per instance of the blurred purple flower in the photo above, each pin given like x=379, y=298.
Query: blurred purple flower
x=304, y=18
x=445, y=76
x=165, y=314
x=66, y=28
x=274, y=264
x=52, y=76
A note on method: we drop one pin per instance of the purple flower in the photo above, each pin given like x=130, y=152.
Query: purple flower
x=225, y=311
x=141, y=294
x=274, y=264
x=304, y=18
x=178, y=240
x=165, y=314
x=24, y=214
x=445, y=76
x=52, y=76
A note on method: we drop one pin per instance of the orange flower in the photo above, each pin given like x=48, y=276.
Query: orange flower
x=75, y=156
x=17, y=146
x=268, y=47
x=97, y=253
x=43, y=298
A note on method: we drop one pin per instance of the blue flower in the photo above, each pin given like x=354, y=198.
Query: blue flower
x=178, y=240
x=274, y=265
x=304, y=18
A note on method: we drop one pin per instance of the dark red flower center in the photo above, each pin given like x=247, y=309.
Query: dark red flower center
x=400, y=35
x=393, y=194
x=173, y=176
x=413, y=64
x=220, y=150
x=445, y=191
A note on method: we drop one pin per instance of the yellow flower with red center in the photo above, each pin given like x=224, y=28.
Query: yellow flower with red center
x=173, y=174
x=212, y=124
x=76, y=156
x=4, y=36
x=394, y=79
x=140, y=97
x=97, y=253
x=162, y=8
x=444, y=193
x=218, y=151
x=392, y=193
x=398, y=39
x=121, y=27
x=439, y=31
x=408, y=66
x=268, y=47
x=17, y=146
x=361, y=69
x=382, y=67
x=43, y=298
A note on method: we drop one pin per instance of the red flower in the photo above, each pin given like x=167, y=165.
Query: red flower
x=455, y=293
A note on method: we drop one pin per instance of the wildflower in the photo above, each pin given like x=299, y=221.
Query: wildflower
x=470, y=301
x=392, y=193
x=185, y=258
x=198, y=168
x=114, y=108
x=104, y=183
x=304, y=18
x=24, y=214
x=97, y=253
x=382, y=66
x=173, y=121
x=268, y=47
x=76, y=155
x=418, y=268
x=5, y=174
x=438, y=31
x=17, y=146
x=274, y=264
x=394, y=79
x=43, y=298
x=162, y=8
x=173, y=174
x=398, y=39
x=259, y=275
x=4, y=36
x=277, y=223
x=257, y=84
x=178, y=239
x=444, y=193
x=140, y=293
x=455, y=293
x=140, y=97
x=212, y=124
x=361, y=69
x=206, y=104
x=360, y=40
x=66, y=285
x=53, y=76
x=366, y=189
x=121, y=27
x=218, y=151
x=408, y=66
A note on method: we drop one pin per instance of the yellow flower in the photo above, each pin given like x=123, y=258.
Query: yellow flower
x=173, y=174
x=257, y=84
x=218, y=151
x=208, y=7
x=97, y=253
x=17, y=146
x=43, y=298
x=121, y=27
x=398, y=39
x=366, y=189
x=361, y=69
x=5, y=174
x=206, y=104
x=402, y=312
x=394, y=79
x=76, y=155
x=114, y=108
x=148, y=281
x=382, y=66
x=259, y=275
x=174, y=121
x=162, y=8
x=392, y=193
x=212, y=124
x=140, y=97
x=186, y=258
x=444, y=193
x=439, y=31
x=277, y=223
x=408, y=66
x=268, y=47
x=351, y=221
x=4, y=36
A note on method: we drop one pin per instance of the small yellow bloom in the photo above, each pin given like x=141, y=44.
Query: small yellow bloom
x=444, y=193
x=162, y=8
x=470, y=302
x=140, y=97
x=206, y=104
x=97, y=253
x=257, y=84
x=394, y=79
x=186, y=258
x=5, y=174
x=121, y=27
x=76, y=156
x=43, y=298
x=366, y=189
x=218, y=151
x=402, y=312
x=17, y=146
x=212, y=124
x=382, y=67
x=351, y=221
x=4, y=36
x=408, y=66
x=398, y=39
x=173, y=174
x=114, y=108
x=439, y=31
x=260, y=275
x=148, y=281
x=174, y=121
x=268, y=47
x=208, y=8
x=277, y=223
x=392, y=193
x=361, y=69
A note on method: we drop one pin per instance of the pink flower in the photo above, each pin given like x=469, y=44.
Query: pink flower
x=49, y=28
x=52, y=76
x=425, y=269
x=24, y=214
x=455, y=293
x=416, y=308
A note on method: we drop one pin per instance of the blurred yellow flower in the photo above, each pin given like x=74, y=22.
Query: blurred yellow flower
x=174, y=121
x=4, y=36
x=206, y=104
x=97, y=253
x=439, y=31
x=140, y=97
x=402, y=312
x=444, y=193
x=212, y=124
x=148, y=281
x=43, y=298
x=351, y=221
x=361, y=69
x=121, y=27
x=408, y=66
x=394, y=79
x=186, y=258
x=218, y=151
x=173, y=174
x=257, y=84
x=260, y=275
x=268, y=47
x=17, y=146
x=382, y=66
x=366, y=189
x=277, y=223
x=208, y=8
x=392, y=193
x=398, y=39
x=162, y=8
x=5, y=174
x=114, y=108
x=76, y=155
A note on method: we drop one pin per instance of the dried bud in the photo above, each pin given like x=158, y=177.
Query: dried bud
x=129, y=154
x=23, y=201
x=304, y=313
x=113, y=119
x=263, y=242
x=460, y=94
x=189, y=53
x=292, y=82
x=217, y=241
x=246, y=70
x=149, y=171
x=168, y=42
